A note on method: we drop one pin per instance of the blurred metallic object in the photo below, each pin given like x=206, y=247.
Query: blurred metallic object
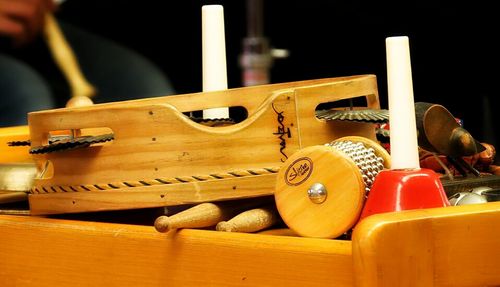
x=257, y=57
x=15, y=181
x=480, y=194
x=492, y=194
x=481, y=189
x=439, y=132
x=467, y=184
x=17, y=177
x=14, y=212
x=464, y=198
x=358, y=115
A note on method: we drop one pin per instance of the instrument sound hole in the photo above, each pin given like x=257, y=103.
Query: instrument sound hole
x=343, y=104
x=237, y=114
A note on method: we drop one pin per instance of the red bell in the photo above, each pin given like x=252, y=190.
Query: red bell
x=405, y=185
x=396, y=190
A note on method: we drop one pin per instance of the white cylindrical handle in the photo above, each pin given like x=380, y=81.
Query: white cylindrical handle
x=214, y=55
x=404, y=144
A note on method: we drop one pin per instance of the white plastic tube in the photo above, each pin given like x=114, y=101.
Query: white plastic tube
x=214, y=55
x=404, y=144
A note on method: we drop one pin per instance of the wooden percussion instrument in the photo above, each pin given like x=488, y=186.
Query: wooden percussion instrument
x=320, y=190
x=149, y=153
x=251, y=220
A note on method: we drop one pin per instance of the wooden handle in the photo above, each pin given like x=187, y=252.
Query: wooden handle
x=251, y=220
x=79, y=101
x=207, y=214
x=201, y=215
x=66, y=59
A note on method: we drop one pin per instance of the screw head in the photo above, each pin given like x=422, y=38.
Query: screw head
x=317, y=193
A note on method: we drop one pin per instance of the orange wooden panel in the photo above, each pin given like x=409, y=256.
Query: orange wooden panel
x=452, y=246
x=49, y=252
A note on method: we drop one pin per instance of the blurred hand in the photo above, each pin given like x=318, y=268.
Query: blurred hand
x=23, y=20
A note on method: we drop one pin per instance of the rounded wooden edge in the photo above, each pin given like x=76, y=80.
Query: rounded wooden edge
x=162, y=223
x=79, y=101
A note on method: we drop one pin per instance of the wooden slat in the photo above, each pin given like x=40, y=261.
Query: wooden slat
x=154, y=139
x=49, y=252
x=452, y=246
x=152, y=196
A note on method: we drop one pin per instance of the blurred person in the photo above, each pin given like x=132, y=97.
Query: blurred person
x=30, y=80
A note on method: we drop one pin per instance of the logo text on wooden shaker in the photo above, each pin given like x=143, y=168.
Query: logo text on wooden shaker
x=299, y=171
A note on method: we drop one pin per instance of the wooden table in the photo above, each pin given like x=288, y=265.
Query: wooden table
x=453, y=246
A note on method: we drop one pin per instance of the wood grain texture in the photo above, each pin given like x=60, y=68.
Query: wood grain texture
x=207, y=214
x=152, y=196
x=251, y=220
x=154, y=139
x=345, y=192
x=47, y=252
x=452, y=246
x=199, y=216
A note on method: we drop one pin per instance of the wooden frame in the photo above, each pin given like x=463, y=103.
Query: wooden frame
x=451, y=246
x=159, y=157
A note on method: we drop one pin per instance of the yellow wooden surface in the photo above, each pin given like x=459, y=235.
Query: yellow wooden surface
x=452, y=246
x=48, y=252
x=154, y=139
x=18, y=154
x=152, y=196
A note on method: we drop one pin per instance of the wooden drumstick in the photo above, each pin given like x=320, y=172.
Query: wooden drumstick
x=206, y=214
x=251, y=220
x=79, y=101
x=66, y=59
x=201, y=215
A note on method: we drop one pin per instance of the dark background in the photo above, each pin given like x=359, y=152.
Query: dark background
x=453, y=45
